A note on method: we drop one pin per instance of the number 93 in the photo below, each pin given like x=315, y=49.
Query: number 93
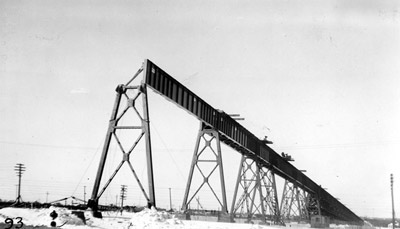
x=10, y=223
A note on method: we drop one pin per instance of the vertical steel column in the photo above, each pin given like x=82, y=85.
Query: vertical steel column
x=297, y=193
x=185, y=204
x=260, y=190
x=93, y=202
x=224, y=208
x=276, y=208
x=146, y=127
x=284, y=201
x=237, y=187
x=257, y=187
x=203, y=131
x=318, y=206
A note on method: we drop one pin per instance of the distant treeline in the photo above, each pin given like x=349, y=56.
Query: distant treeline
x=378, y=222
x=36, y=204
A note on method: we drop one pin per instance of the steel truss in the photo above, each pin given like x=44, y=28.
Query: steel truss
x=253, y=178
x=208, y=136
x=132, y=95
x=296, y=203
x=313, y=205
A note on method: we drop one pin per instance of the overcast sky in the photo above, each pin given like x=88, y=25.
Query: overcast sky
x=320, y=78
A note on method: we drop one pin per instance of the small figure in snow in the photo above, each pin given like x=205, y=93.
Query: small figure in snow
x=53, y=214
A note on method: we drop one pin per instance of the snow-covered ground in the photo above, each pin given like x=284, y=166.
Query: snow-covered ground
x=148, y=218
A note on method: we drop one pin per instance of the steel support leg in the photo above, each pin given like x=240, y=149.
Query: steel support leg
x=248, y=182
x=289, y=208
x=253, y=178
x=270, y=196
x=313, y=205
x=197, y=161
x=93, y=201
x=238, y=181
x=294, y=203
x=122, y=90
x=146, y=130
x=303, y=203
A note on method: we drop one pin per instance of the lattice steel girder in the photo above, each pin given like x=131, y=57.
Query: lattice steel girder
x=197, y=162
x=313, y=205
x=238, y=137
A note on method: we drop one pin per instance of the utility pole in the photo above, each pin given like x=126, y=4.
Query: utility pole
x=170, y=200
x=123, y=196
x=391, y=187
x=47, y=195
x=84, y=194
x=19, y=168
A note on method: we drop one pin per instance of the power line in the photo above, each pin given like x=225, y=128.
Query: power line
x=334, y=146
x=169, y=154
x=91, y=161
x=46, y=146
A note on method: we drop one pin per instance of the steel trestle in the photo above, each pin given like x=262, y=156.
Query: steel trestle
x=301, y=197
